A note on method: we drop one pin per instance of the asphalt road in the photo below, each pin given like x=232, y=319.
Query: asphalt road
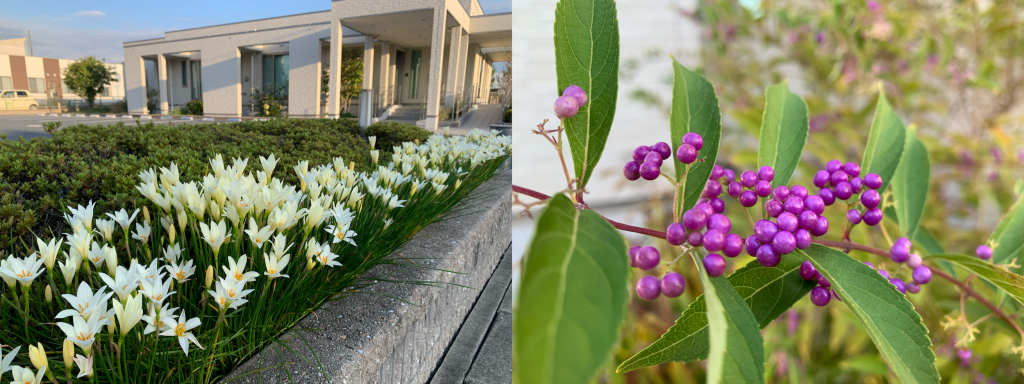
x=31, y=126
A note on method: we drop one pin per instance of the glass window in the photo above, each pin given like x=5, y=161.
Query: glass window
x=22, y=94
x=8, y=95
x=414, y=79
x=268, y=73
x=5, y=83
x=36, y=85
x=281, y=75
x=184, y=75
x=64, y=88
x=106, y=92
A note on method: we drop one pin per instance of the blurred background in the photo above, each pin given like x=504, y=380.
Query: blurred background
x=953, y=69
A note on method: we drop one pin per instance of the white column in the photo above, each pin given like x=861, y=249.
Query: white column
x=237, y=83
x=485, y=92
x=392, y=73
x=436, y=60
x=366, y=94
x=135, y=84
x=334, y=72
x=461, y=80
x=161, y=61
x=472, y=72
x=385, y=67
x=454, y=47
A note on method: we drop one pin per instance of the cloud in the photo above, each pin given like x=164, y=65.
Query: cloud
x=89, y=13
x=53, y=39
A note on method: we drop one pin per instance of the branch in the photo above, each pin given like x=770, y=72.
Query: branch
x=616, y=224
x=971, y=292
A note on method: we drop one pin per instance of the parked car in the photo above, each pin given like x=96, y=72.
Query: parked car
x=16, y=99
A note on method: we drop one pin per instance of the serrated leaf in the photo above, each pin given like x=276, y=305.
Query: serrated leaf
x=573, y=296
x=910, y=184
x=1008, y=281
x=736, y=354
x=694, y=109
x=784, y=130
x=885, y=143
x=768, y=291
x=587, y=55
x=1009, y=234
x=887, y=316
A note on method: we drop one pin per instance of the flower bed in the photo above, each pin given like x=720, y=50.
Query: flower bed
x=211, y=271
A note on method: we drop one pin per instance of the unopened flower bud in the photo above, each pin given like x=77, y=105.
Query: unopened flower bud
x=566, y=107
x=209, y=276
x=69, y=354
x=145, y=214
x=111, y=326
x=49, y=294
x=373, y=141
x=38, y=356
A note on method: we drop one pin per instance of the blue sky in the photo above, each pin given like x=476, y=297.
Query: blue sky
x=66, y=29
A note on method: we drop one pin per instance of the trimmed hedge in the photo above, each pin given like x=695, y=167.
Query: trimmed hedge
x=40, y=177
x=391, y=133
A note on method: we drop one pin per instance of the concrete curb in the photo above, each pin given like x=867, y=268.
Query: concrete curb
x=376, y=338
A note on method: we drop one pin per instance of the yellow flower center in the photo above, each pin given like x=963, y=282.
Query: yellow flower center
x=238, y=276
x=23, y=274
x=271, y=271
x=231, y=293
x=81, y=308
x=180, y=275
x=180, y=329
x=83, y=337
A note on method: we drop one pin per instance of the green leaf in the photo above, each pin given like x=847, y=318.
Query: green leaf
x=694, y=109
x=587, y=55
x=572, y=298
x=910, y=184
x=1008, y=281
x=1009, y=234
x=737, y=350
x=886, y=314
x=885, y=143
x=783, y=132
x=768, y=291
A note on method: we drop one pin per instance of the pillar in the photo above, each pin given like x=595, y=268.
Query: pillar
x=472, y=72
x=454, y=47
x=461, y=80
x=436, y=60
x=392, y=74
x=385, y=66
x=366, y=94
x=334, y=72
x=161, y=62
x=135, y=84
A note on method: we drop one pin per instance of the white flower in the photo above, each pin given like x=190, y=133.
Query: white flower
x=215, y=235
x=83, y=333
x=84, y=365
x=229, y=293
x=5, y=361
x=152, y=272
x=48, y=251
x=395, y=203
x=125, y=281
x=129, y=314
x=258, y=235
x=326, y=257
x=275, y=265
x=172, y=253
x=341, y=233
x=269, y=163
x=85, y=303
x=25, y=375
x=157, y=291
x=161, y=315
x=181, y=330
x=97, y=256
x=373, y=141
x=106, y=228
x=142, y=232
x=80, y=241
x=281, y=245
x=70, y=267
x=181, y=273
x=82, y=213
x=236, y=270
x=9, y=280
x=23, y=270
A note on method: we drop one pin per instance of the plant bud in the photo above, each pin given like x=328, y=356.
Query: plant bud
x=309, y=264
x=111, y=327
x=69, y=354
x=209, y=276
x=49, y=294
x=373, y=141
x=38, y=356
x=170, y=234
x=145, y=214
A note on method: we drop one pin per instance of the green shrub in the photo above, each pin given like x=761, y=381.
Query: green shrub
x=508, y=116
x=40, y=177
x=194, y=107
x=391, y=133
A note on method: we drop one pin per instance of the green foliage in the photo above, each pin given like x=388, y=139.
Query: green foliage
x=351, y=77
x=1011, y=283
x=194, y=107
x=783, y=132
x=507, y=118
x=40, y=177
x=573, y=295
x=1007, y=241
x=587, y=55
x=87, y=77
x=910, y=184
x=736, y=354
x=392, y=134
x=266, y=103
x=694, y=109
x=885, y=143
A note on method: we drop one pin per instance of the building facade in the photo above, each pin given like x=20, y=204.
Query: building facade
x=437, y=54
x=43, y=77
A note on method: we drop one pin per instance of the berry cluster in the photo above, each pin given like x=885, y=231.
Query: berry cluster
x=798, y=217
x=821, y=294
x=647, y=160
x=567, y=105
x=840, y=181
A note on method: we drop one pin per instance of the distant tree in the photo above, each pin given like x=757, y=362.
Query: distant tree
x=87, y=77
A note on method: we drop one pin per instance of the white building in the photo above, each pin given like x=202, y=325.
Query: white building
x=43, y=77
x=426, y=53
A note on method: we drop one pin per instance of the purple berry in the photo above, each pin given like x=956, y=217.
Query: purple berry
x=900, y=286
x=833, y=165
x=820, y=296
x=851, y=169
x=675, y=234
x=904, y=241
x=576, y=93
x=803, y=238
x=748, y=179
x=821, y=228
x=767, y=256
x=798, y=191
x=853, y=216
x=922, y=275
x=827, y=196
x=566, y=107
x=765, y=231
x=716, y=172
x=733, y=245
x=774, y=208
x=712, y=189
x=647, y=258
x=964, y=354
x=714, y=240
x=765, y=173
x=822, y=281
x=788, y=222
x=873, y=181
x=843, y=190
x=717, y=205
x=751, y=245
x=653, y=157
x=870, y=198
x=914, y=260
x=784, y=243
x=695, y=219
x=673, y=284
x=640, y=153
x=884, y=273
x=983, y=252
x=694, y=139
x=631, y=170
x=720, y=222
x=821, y=179
x=648, y=288
x=734, y=190
x=650, y=171
x=695, y=239
x=763, y=188
x=686, y=154
x=632, y=255
x=704, y=206
x=780, y=193
x=794, y=204
x=807, y=271
x=868, y=263
x=899, y=252
x=913, y=287
x=662, y=149
x=815, y=204
x=748, y=198
x=714, y=264
x=729, y=175
x=857, y=184
x=873, y=216
x=808, y=219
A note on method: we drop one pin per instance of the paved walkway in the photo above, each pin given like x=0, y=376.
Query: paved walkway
x=481, y=352
x=482, y=118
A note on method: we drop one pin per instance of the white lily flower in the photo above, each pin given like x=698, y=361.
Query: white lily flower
x=259, y=236
x=151, y=273
x=281, y=245
x=25, y=375
x=10, y=281
x=83, y=332
x=215, y=235
x=395, y=203
x=84, y=365
x=172, y=253
x=110, y=255
x=25, y=271
x=106, y=228
x=97, y=256
x=37, y=355
x=269, y=163
x=142, y=232
x=5, y=360
x=230, y=293
x=275, y=266
x=80, y=241
x=48, y=251
x=68, y=268
x=83, y=213
x=129, y=314
x=85, y=303
x=161, y=315
x=181, y=328
x=326, y=257
x=181, y=273
x=125, y=282
x=236, y=270
x=156, y=290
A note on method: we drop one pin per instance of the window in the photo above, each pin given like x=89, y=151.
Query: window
x=5, y=83
x=414, y=80
x=275, y=74
x=36, y=85
x=64, y=88
x=22, y=94
x=8, y=95
x=184, y=75
x=105, y=92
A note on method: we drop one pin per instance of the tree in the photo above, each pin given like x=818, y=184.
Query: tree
x=87, y=77
x=351, y=77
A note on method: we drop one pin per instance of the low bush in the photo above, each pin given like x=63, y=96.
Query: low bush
x=194, y=107
x=508, y=116
x=39, y=177
x=391, y=133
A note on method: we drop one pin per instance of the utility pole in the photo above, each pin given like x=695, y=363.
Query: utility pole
x=30, y=51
